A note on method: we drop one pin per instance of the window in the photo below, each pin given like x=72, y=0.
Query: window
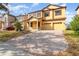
x=39, y=14
x=46, y=13
x=29, y=15
x=58, y=12
x=34, y=14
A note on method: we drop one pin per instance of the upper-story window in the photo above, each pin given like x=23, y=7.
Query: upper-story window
x=34, y=14
x=46, y=13
x=38, y=14
x=58, y=12
x=29, y=15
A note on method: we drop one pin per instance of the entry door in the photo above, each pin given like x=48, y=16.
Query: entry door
x=34, y=25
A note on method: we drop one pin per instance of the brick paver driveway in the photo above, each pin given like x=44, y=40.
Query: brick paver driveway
x=36, y=43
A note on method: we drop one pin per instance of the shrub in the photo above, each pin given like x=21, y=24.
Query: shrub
x=74, y=24
x=17, y=26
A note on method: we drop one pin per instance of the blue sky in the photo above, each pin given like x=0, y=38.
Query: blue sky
x=24, y=8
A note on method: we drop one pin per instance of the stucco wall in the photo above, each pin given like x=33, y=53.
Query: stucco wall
x=50, y=15
x=53, y=16
x=63, y=15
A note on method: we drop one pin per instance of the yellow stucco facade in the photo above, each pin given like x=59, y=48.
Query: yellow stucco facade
x=50, y=21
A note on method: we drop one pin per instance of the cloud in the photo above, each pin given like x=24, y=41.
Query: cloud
x=33, y=5
x=63, y=4
x=67, y=12
x=70, y=12
x=55, y=3
x=16, y=8
x=69, y=17
x=21, y=6
x=2, y=12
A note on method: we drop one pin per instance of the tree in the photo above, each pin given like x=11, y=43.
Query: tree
x=3, y=6
x=17, y=26
x=74, y=24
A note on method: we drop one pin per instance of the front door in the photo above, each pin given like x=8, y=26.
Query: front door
x=34, y=25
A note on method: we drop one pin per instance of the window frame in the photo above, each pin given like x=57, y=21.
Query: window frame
x=56, y=12
x=34, y=14
x=47, y=13
x=38, y=13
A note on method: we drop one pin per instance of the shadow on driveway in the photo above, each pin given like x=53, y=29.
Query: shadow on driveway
x=34, y=43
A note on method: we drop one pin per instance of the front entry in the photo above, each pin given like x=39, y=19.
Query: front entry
x=34, y=25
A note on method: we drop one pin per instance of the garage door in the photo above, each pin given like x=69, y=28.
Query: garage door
x=59, y=26
x=47, y=26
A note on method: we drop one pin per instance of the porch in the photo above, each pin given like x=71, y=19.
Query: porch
x=34, y=24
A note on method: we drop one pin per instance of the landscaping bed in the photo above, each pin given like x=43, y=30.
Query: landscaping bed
x=6, y=35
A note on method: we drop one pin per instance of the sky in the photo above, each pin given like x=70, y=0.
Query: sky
x=24, y=8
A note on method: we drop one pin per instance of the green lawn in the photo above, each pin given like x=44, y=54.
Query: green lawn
x=73, y=41
x=6, y=35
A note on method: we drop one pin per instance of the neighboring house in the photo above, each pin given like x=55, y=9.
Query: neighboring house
x=52, y=17
x=77, y=9
x=8, y=20
x=1, y=23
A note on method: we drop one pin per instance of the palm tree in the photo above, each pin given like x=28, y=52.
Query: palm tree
x=3, y=6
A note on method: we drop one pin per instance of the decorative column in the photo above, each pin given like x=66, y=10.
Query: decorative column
x=29, y=24
x=37, y=24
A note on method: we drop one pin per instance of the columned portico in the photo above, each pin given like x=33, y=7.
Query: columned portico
x=33, y=24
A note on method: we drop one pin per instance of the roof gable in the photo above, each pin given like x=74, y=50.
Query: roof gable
x=33, y=19
x=51, y=6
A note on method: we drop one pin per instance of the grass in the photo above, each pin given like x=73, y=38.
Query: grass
x=73, y=40
x=6, y=35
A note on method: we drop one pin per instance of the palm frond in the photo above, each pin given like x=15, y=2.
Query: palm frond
x=3, y=7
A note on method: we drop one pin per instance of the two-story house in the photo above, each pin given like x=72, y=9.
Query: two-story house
x=1, y=23
x=51, y=17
